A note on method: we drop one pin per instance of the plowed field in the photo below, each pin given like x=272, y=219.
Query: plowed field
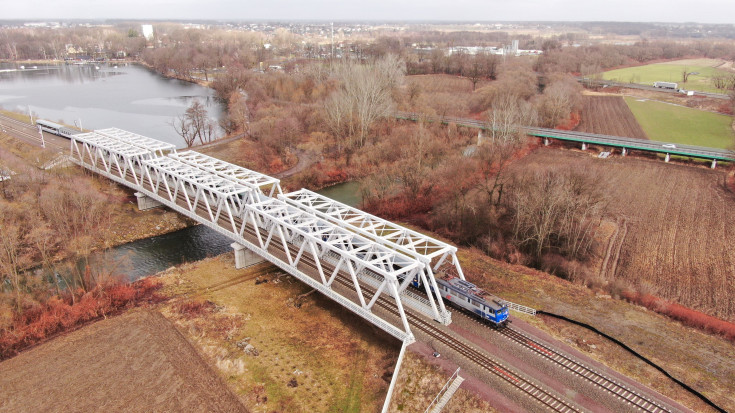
x=678, y=226
x=609, y=115
x=137, y=362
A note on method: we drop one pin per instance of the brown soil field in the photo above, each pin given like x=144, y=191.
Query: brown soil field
x=137, y=362
x=609, y=115
x=677, y=224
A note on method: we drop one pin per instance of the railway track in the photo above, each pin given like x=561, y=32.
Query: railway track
x=28, y=133
x=523, y=385
x=587, y=373
x=566, y=362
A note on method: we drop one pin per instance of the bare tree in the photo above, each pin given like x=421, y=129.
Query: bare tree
x=556, y=210
x=184, y=128
x=365, y=95
x=560, y=98
x=195, y=124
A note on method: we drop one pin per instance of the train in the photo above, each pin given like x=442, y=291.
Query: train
x=55, y=128
x=467, y=296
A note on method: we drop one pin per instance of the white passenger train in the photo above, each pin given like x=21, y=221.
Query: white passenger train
x=55, y=128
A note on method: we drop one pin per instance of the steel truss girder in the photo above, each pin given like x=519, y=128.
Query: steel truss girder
x=267, y=185
x=409, y=242
x=210, y=199
x=107, y=156
x=153, y=145
x=266, y=230
x=219, y=197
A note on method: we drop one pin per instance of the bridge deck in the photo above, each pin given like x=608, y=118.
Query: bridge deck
x=314, y=248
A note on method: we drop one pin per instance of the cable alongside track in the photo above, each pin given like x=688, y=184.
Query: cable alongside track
x=587, y=373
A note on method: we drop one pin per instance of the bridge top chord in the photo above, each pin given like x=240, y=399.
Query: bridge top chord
x=196, y=176
x=407, y=241
x=255, y=180
x=110, y=144
x=153, y=145
x=371, y=255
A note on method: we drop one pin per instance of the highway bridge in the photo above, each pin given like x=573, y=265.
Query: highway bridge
x=625, y=144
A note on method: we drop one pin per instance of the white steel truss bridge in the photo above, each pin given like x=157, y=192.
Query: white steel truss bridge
x=311, y=237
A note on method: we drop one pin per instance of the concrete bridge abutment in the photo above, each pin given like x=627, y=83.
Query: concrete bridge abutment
x=245, y=257
x=145, y=202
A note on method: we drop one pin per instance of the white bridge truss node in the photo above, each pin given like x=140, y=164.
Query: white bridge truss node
x=265, y=184
x=157, y=147
x=423, y=248
x=307, y=246
x=109, y=157
x=220, y=198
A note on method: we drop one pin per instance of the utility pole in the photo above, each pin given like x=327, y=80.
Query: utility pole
x=40, y=132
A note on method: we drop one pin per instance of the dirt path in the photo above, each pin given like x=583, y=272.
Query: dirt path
x=221, y=141
x=137, y=362
x=306, y=159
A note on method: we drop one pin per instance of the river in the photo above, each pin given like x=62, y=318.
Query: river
x=136, y=99
x=129, y=97
x=148, y=256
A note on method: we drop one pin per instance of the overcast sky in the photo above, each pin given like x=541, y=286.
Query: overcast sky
x=702, y=11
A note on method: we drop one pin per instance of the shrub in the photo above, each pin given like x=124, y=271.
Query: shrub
x=37, y=321
x=686, y=316
x=195, y=307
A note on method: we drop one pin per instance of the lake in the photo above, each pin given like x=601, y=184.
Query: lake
x=129, y=97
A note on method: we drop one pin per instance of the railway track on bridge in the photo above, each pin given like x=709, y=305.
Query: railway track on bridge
x=524, y=385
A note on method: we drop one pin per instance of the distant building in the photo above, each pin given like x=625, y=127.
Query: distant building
x=147, y=30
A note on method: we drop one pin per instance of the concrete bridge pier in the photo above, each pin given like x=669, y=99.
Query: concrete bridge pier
x=624, y=152
x=668, y=158
x=546, y=141
x=244, y=257
x=584, y=146
x=145, y=202
x=714, y=164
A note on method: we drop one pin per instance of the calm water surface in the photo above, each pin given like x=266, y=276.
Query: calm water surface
x=139, y=100
x=128, y=97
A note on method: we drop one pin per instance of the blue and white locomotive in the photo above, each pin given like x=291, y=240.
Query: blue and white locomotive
x=468, y=296
x=472, y=298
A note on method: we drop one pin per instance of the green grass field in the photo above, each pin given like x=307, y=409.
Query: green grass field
x=671, y=123
x=670, y=72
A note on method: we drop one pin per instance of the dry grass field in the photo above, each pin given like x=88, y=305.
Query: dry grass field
x=609, y=115
x=137, y=362
x=677, y=224
x=309, y=354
